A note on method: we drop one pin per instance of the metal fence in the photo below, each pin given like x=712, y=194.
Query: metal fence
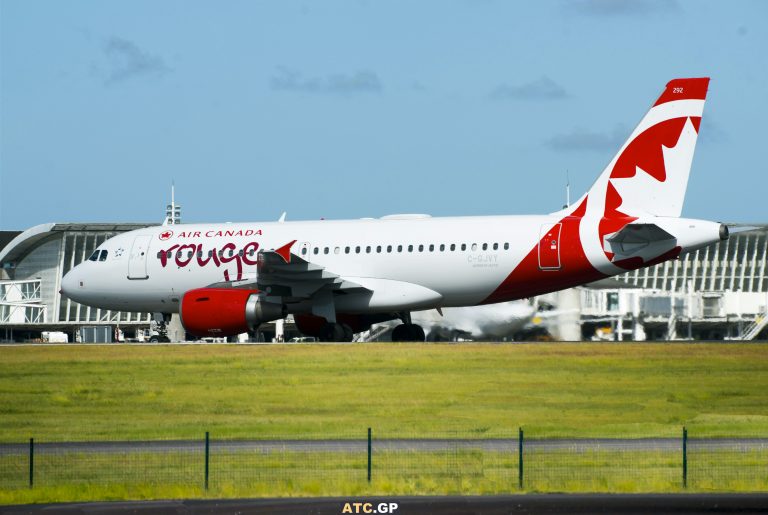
x=451, y=463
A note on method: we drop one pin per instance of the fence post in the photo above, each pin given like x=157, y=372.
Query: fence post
x=685, y=457
x=520, y=458
x=369, y=455
x=31, y=462
x=207, y=456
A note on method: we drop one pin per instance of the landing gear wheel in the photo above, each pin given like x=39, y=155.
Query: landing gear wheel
x=337, y=333
x=408, y=333
x=417, y=333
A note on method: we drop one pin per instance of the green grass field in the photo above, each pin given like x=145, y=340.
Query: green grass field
x=113, y=392
x=132, y=392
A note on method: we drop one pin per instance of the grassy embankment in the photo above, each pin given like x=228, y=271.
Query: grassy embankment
x=62, y=393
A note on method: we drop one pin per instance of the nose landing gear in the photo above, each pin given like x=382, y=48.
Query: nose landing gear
x=159, y=328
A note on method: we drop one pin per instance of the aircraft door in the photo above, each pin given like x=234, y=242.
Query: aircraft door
x=549, y=247
x=137, y=261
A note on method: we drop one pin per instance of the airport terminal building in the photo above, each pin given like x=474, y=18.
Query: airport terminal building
x=719, y=292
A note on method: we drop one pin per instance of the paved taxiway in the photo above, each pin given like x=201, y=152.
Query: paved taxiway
x=657, y=504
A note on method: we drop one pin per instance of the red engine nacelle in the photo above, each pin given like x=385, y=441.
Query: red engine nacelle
x=226, y=311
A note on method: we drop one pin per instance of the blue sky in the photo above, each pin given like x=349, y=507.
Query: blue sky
x=362, y=108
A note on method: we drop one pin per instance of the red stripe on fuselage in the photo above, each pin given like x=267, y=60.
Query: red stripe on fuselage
x=634, y=263
x=528, y=280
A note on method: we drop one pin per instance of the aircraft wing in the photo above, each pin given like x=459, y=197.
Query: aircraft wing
x=284, y=274
x=288, y=275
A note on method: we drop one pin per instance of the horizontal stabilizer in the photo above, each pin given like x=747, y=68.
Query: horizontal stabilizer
x=637, y=244
x=636, y=236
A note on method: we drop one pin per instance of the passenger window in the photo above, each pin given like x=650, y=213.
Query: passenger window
x=357, y=249
x=316, y=250
x=368, y=249
x=239, y=253
x=474, y=247
x=431, y=248
x=326, y=250
x=337, y=250
x=378, y=249
x=199, y=253
x=421, y=248
x=399, y=248
x=463, y=246
x=495, y=246
x=410, y=248
x=303, y=251
x=159, y=254
x=169, y=254
x=231, y=252
x=442, y=247
x=506, y=246
x=485, y=246
x=210, y=253
x=346, y=250
x=103, y=256
x=221, y=253
x=389, y=248
x=253, y=251
x=189, y=254
x=453, y=247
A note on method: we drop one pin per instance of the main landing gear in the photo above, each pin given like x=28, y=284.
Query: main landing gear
x=408, y=331
x=335, y=332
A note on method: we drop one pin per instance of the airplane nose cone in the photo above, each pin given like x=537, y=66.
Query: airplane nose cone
x=69, y=285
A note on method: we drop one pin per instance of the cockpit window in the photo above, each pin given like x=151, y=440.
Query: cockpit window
x=103, y=256
x=94, y=256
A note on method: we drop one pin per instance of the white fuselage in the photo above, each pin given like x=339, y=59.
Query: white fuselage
x=407, y=264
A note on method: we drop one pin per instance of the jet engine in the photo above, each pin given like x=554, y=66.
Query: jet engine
x=221, y=312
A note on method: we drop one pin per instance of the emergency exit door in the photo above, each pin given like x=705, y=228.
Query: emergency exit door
x=549, y=247
x=137, y=260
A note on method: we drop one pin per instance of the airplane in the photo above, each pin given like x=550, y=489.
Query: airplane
x=340, y=277
x=487, y=322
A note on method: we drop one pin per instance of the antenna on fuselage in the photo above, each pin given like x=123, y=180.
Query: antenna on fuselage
x=567, y=191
